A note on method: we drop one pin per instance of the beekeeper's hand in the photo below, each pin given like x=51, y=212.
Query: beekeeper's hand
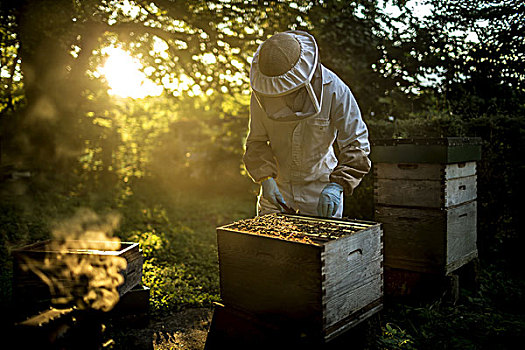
x=329, y=200
x=270, y=191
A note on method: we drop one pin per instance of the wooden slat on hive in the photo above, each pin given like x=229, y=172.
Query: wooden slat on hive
x=424, y=171
x=408, y=171
x=460, y=190
x=351, y=274
x=461, y=237
x=463, y=169
x=413, y=193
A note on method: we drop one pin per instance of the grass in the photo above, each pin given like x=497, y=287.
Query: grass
x=177, y=235
x=484, y=318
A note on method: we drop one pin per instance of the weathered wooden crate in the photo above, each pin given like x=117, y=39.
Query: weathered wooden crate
x=319, y=288
x=425, y=193
x=429, y=240
x=47, y=271
x=425, y=185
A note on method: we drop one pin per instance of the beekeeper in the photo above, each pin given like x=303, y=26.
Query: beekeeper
x=299, y=109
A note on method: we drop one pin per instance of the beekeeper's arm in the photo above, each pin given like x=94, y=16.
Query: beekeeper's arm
x=259, y=158
x=352, y=140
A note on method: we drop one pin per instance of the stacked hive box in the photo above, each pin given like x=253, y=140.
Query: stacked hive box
x=314, y=286
x=425, y=197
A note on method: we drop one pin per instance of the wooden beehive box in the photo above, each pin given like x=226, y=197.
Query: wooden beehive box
x=429, y=240
x=425, y=185
x=425, y=193
x=47, y=261
x=319, y=288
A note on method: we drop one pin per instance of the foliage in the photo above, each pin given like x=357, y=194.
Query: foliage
x=11, y=90
x=484, y=318
x=479, y=41
x=210, y=42
x=374, y=55
x=393, y=337
x=481, y=89
x=177, y=234
x=207, y=148
x=204, y=44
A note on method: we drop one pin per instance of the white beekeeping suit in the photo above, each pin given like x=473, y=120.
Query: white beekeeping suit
x=298, y=110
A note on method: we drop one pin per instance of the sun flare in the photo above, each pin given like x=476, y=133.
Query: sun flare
x=124, y=76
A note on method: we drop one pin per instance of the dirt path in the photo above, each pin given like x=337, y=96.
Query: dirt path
x=186, y=330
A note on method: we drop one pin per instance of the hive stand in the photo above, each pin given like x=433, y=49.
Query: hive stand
x=234, y=329
x=425, y=194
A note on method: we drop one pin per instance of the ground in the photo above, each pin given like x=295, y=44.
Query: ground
x=186, y=329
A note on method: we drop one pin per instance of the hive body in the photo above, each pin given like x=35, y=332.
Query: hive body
x=319, y=289
x=425, y=196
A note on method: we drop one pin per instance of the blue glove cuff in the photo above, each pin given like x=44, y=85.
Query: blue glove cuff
x=332, y=186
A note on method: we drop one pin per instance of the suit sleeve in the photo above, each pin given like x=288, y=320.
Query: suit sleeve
x=258, y=158
x=352, y=139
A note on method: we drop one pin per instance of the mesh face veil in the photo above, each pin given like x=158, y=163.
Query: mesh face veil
x=295, y=94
